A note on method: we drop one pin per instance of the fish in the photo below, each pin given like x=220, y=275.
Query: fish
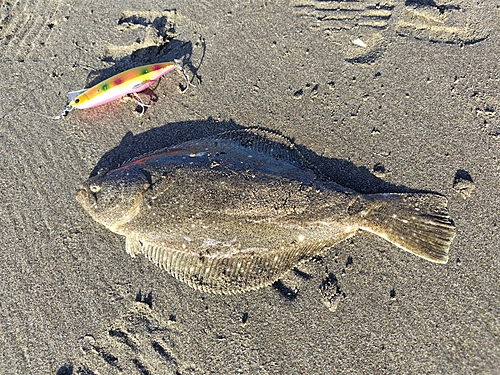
x=236, y=211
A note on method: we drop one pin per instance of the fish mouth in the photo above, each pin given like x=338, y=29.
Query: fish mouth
x=83, y=196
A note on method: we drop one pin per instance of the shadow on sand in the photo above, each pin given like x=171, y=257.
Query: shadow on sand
x=341, y=171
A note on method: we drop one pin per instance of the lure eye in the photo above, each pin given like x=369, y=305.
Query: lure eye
x=77, y=100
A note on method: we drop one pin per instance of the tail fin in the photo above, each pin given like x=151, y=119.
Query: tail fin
x=418, y=223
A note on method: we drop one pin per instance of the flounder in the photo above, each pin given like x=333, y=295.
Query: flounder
x=235, y=212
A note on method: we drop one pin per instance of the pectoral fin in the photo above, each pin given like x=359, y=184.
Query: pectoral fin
x=132, y=246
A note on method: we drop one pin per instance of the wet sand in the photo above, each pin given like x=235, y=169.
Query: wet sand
x=399, y=96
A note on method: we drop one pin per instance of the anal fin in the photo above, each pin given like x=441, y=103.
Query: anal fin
x=228, y=274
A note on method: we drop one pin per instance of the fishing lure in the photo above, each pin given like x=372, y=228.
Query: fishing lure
x=128, y=82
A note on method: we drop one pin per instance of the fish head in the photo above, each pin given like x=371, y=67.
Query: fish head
x=114, y=198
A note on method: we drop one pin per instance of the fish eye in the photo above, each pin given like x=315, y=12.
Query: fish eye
x=94, y=188
x=101, y=172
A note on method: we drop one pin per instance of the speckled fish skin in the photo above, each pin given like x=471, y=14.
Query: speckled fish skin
x=237, y=211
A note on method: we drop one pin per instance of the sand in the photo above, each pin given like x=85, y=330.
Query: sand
x=399, y=96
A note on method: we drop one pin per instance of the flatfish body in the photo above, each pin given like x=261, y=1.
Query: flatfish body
x=236, y=211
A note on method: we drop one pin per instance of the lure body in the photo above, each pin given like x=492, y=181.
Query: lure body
x=128, y=82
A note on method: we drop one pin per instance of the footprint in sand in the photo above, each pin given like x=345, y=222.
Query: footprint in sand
x=148, y=28
x=362, y=27
x=446, y=23
x=139, y=342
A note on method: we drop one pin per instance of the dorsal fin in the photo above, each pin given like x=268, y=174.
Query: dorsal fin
x=266, y=141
